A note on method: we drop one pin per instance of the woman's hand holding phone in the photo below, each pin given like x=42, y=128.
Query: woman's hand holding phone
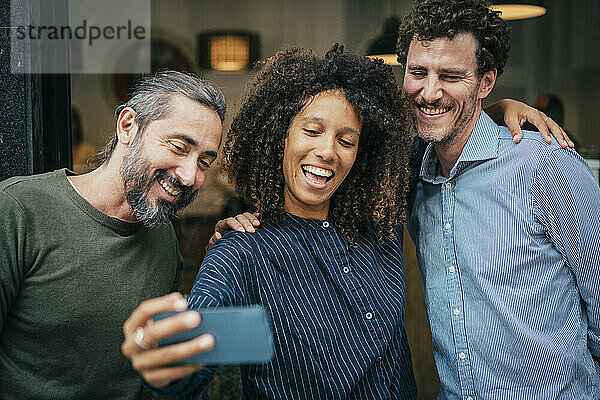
x=142, y=335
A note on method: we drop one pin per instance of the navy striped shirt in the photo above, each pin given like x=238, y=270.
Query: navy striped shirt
x=337, y=312
x=509, y=251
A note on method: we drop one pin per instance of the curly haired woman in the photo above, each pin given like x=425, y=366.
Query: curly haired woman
x=320, y=149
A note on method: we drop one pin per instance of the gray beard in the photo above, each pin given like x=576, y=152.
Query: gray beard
x=137, y=184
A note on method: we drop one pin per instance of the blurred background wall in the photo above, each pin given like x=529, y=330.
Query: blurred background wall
x=557, y=53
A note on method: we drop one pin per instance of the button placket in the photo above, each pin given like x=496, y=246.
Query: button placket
x=454, y=290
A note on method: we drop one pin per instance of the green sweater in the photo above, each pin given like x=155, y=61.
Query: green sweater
x=69, y=277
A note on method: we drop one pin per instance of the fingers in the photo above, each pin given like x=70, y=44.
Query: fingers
x=163, y=376
x=249, y=221
x=242, y=223
x=546, y=125
x=245, y=222
x=147, y=309
x=163, y=356
x=158, y=330
x=560, y=134
x=515, y=128
x=153, y=362
x=213, y=239
x=154, y=366
x=539, y=121
x=228, y=224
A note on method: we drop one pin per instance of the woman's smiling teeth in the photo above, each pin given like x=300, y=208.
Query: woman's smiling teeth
x=434, y=111
x=168, y=188
x=317, y=176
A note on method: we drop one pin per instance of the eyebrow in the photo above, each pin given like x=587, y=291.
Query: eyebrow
x=321, y=120
x=451, y=71
x=192, y=142
x=415, y=66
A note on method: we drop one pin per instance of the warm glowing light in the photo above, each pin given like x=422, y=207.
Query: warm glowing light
x=229, y=53
x=390, y=59
x=519, y=11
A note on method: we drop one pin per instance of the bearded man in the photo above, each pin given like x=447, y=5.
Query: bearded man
x=79, y=252
x=507, y=235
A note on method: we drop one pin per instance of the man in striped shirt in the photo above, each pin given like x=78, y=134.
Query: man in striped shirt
x=507, y=236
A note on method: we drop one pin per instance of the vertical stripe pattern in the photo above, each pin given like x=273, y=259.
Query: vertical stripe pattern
x=509, y=251
x=337, y=312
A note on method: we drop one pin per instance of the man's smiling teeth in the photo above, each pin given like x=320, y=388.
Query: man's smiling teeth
x=170, y=189
x=433, y=111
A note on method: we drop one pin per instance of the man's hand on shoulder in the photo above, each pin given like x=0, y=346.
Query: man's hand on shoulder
x=245, y=222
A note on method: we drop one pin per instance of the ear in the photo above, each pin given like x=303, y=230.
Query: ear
x=487, y=83
x=127, y=127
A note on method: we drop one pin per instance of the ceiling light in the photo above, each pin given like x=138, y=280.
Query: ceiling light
x=228, y=50
x=520, y=9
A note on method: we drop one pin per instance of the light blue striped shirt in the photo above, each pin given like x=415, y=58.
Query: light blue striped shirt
x=509, y=250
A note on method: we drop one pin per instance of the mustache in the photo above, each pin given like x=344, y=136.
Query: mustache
x=172, y=180
x=439, y=103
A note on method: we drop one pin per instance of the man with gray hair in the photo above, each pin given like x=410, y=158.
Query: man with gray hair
x=79, y=252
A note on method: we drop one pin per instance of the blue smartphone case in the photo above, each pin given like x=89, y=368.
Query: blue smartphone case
x=243, y=335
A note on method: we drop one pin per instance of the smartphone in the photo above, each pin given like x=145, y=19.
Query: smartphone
x=243, y=335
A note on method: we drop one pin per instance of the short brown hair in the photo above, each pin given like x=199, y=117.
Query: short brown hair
x=433, y=19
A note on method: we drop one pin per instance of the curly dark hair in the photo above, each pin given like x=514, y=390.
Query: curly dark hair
x=433, y=19
x=375, y=190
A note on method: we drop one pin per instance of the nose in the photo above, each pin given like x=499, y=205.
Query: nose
x=188, y=172
x=432, y=90
x=325, y=149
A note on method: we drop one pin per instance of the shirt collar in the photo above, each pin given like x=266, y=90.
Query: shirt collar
x=482, y=145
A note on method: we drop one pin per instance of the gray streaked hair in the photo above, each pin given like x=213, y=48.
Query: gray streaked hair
x=151, y=97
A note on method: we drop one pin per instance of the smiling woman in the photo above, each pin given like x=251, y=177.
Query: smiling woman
x=360, y=99
x=319, y=148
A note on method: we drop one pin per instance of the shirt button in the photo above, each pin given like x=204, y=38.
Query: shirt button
x=470, y=398
x=448, y=185
x=379, y=359
x=369, y=315
x=456, y=312
x=448, y=226
x=451, y=269
x=325, y=224
x=346, y=270
x=462, y=356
